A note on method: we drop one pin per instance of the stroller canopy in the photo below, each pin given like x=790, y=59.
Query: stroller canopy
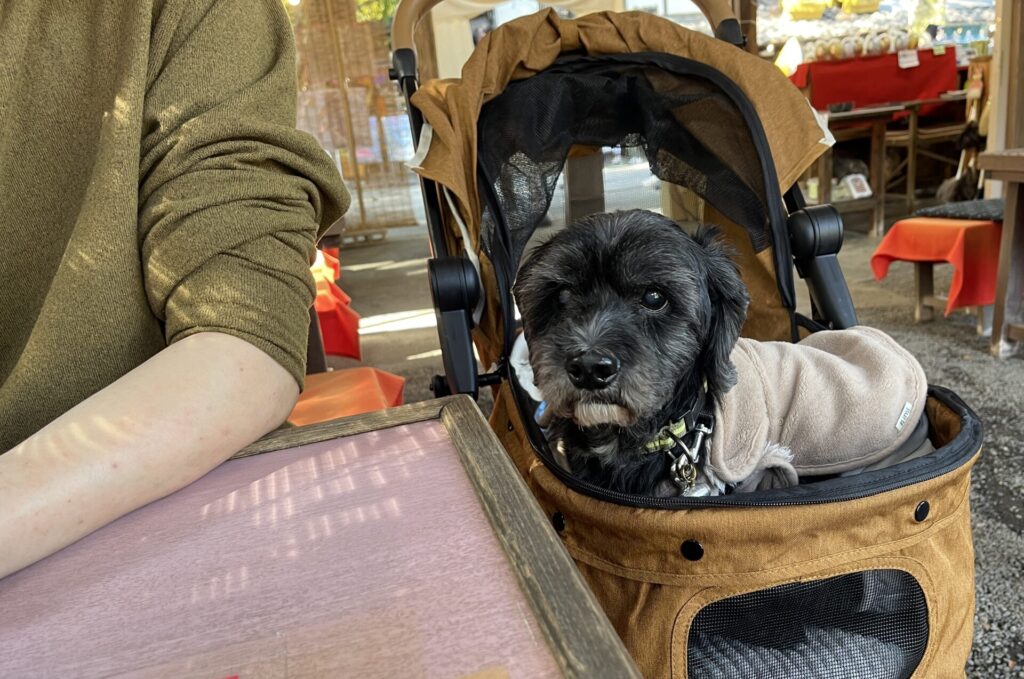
x=719, y=121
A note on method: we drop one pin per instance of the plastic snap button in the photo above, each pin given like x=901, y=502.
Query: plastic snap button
x=692, y=550
x=921, y=513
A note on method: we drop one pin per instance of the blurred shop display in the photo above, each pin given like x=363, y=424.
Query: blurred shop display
x=347, y=102
x=802, y=31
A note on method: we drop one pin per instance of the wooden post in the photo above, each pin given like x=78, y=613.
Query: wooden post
x=911, y=160
x=746, y=12
x=924, y=292
x=878, y=176
x=825, y=177
x=1013, y=13
x=584, y=186
x=339, y=64
x=1008, y=315
x=426, y=49
x=1008, y=167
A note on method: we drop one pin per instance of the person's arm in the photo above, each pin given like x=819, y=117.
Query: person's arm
x=231, y=200
x=155, y=430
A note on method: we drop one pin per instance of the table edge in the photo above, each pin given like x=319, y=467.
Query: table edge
x=578, y=632
x=352, y=425
x=1006, y=165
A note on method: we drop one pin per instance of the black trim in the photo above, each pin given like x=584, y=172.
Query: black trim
x=500, y=254
x=949, y=457
x=404, y=72
x=794, y=199
x=808, y=323
x=729, y=31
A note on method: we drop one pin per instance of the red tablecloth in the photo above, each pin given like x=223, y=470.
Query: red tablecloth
x=340, y=393
x=339, y=323
x=868, y=81
x=972, y=247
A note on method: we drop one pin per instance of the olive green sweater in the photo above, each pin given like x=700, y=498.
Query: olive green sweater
x=152, y=186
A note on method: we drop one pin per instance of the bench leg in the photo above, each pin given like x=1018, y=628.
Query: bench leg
x=984, y=320
x=912, y=162
x=924, y=288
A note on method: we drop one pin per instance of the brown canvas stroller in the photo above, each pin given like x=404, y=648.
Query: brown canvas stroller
x=863, y=576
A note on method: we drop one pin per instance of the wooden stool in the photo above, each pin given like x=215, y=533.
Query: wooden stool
x=341, y=393
x=971, y=246
x=926, y=301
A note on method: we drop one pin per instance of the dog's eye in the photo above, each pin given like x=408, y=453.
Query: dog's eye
x=564, y=296
x=653, y=300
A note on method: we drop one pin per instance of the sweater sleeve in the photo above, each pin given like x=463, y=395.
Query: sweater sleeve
x=232, y=197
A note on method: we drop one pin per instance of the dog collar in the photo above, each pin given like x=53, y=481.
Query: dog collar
x=668, y=437
x=684, y=440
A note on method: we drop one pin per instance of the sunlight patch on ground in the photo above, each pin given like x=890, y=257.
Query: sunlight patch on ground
x=397, y=322
x=385, y=265
x=433, y=353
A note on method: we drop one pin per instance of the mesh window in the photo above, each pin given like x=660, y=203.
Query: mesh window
x=688, y=129
x=867, y=624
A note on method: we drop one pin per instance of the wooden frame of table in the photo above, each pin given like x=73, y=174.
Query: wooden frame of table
x=1008, y=315
x=877, y=117
x=913, y=132
x=582, y=640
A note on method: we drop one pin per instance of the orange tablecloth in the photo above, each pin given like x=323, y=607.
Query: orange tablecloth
x=972, y=247
x=340, y=393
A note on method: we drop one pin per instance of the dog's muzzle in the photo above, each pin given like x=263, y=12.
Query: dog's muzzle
x=592, y=370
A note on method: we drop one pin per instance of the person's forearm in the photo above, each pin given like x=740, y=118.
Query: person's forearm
x=153, y=431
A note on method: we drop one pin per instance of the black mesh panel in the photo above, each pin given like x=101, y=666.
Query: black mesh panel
x=691, y=132
x=867, y=624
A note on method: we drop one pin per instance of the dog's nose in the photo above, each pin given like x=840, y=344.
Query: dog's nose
x=591, y=370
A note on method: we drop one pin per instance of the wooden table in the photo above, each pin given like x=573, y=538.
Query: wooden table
x=1008, y=315
x=949, y=132
x=401, y=543
x=876, y=117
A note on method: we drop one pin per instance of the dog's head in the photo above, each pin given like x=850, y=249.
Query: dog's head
x=620, y=310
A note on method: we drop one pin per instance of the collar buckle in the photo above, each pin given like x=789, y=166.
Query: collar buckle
x=683, y=469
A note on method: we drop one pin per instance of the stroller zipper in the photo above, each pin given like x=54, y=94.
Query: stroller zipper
x=949, y=457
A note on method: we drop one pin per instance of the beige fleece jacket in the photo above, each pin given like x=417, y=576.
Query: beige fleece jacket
x=838, y=400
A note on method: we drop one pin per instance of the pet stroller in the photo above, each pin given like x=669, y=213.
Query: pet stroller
x=863, y=576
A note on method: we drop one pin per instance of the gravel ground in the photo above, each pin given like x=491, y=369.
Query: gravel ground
x=953, y=356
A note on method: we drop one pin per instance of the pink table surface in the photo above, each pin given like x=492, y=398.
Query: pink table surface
x=367, y=556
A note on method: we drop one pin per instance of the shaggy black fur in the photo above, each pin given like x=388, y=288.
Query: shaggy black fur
x=583, y=291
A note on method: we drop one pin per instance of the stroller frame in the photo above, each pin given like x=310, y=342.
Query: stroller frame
x=857, y=573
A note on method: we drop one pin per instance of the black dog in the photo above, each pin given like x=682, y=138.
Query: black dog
x=630, y=323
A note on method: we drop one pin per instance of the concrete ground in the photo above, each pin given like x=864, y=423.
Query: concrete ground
x=387, y=282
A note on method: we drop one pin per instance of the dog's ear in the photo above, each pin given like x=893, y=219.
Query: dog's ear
x=729, y=299
x=533, y=289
